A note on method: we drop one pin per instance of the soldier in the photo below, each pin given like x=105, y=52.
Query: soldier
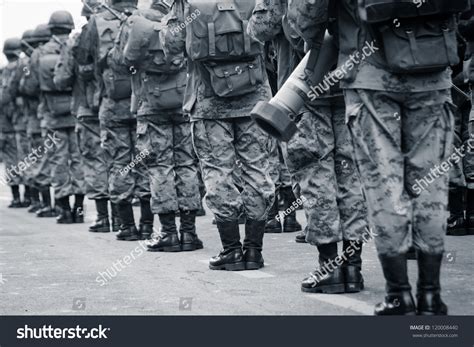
x=398, y=107
x=126, y=174
x=319, y=156
x=66, y=170
x=37, y=133
x=461, y=183
x=225, y=82
x=69, y=74
x=11, y=156
x=164, y=132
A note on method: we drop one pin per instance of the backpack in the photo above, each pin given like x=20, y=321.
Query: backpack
x=217, y=30
x=416, y=36
x=143, y=46
x=47, y=63
x=107, y=30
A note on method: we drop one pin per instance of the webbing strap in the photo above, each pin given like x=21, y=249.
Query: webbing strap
x=212, y=38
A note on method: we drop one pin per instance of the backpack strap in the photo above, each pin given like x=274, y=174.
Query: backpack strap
x=247, y=43
x=211, y=28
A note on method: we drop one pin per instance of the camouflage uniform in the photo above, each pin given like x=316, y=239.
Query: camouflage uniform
x=7, y=126
x=66, y=170
x=224, y=136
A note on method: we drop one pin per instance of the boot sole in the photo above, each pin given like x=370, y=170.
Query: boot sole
x=457, y=232
x=171, y=249
x=254, y=266
x=273, y=231
x=101, y=230
x=329, y=289
x=354, y=287
x=300, y=241
x=291, y=229
x=131, y=238
x=229, y=267
x=191, y=247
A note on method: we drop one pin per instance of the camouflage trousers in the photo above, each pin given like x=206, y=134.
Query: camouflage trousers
x=93, y=159
x=42, y=169
x=34, y=141
x=320, y=158
x=128, y=176
x=67, y=176
x=10, y=157
x=462, y=173
x=224, y=145
x=278, y=168
x=171, y=163
x=401, y=142
x=23, y=151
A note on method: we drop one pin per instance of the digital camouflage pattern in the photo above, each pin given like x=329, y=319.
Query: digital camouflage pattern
x=41, y=171
x=10, y=157
x=395, y=155
x=266, y=21
x=171, y=163
x=93, y=159
x=320, y=158
x=224, y=145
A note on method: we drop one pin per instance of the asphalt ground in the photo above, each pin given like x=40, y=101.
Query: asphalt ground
x=49, y=269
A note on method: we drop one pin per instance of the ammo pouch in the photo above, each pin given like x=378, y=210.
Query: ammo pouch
x=164, y=91
x=419, y=46
x=58, y=104
x=229, y=79
x=117, y=86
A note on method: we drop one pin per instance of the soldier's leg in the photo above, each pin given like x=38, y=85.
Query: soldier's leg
x=118, y=147
x=213, y=142
x=142, y=185
x=76, y=166
x=468, y=166
x=12, y=174
x=23, y=151
x=43, y=177
x=187, y=185
x=428, y=137
x=34, y=141
x=273, y=224
x=95, y=171
x=62, y=181
x=156, y=142
x=374, y=119
x=258, y=195
x=457, y=180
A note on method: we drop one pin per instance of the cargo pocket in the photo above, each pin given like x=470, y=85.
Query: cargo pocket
x=143, y=141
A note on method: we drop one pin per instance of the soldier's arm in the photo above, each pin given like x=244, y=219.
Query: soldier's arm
x=266, y=20
x=173, y=33
x=310, y=22
x=64, y=74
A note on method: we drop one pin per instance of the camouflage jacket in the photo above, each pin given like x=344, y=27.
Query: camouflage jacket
x=48, y=120
x=199, y=102
x=8, y=98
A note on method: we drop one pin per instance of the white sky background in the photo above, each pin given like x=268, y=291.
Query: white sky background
x=16, y=16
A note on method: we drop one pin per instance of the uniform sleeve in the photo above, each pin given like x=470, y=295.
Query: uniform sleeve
x=309, y=19
x=266, y=20
x=64, y=71
x=173, y=33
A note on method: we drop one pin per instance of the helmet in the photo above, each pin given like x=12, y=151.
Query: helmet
x=28, y=36
x=12, y=46
x=134, y=2
x=61, y=20
x=89, y=7
x=163, y=6
x=42, y=33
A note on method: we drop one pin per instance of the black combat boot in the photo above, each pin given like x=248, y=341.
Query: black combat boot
x=35, y=201
x=187, y=229
x=16, y=202
x=399, y=300
x=329, y=278
x=353, y=280
x=116, y=221
x=273, y=224
x=301, y=237
x=167, y=240
x=290, y=224
x=429, y=289
x=101, y=224
x=65, y=215
x=128, y=230
x=470, y=211
x=456, y=222
x=232, y=257
x=26, y=198
x=78, y=210
x=253, y=244
x=412, y=254
x=46, y=211
x=146, y=219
